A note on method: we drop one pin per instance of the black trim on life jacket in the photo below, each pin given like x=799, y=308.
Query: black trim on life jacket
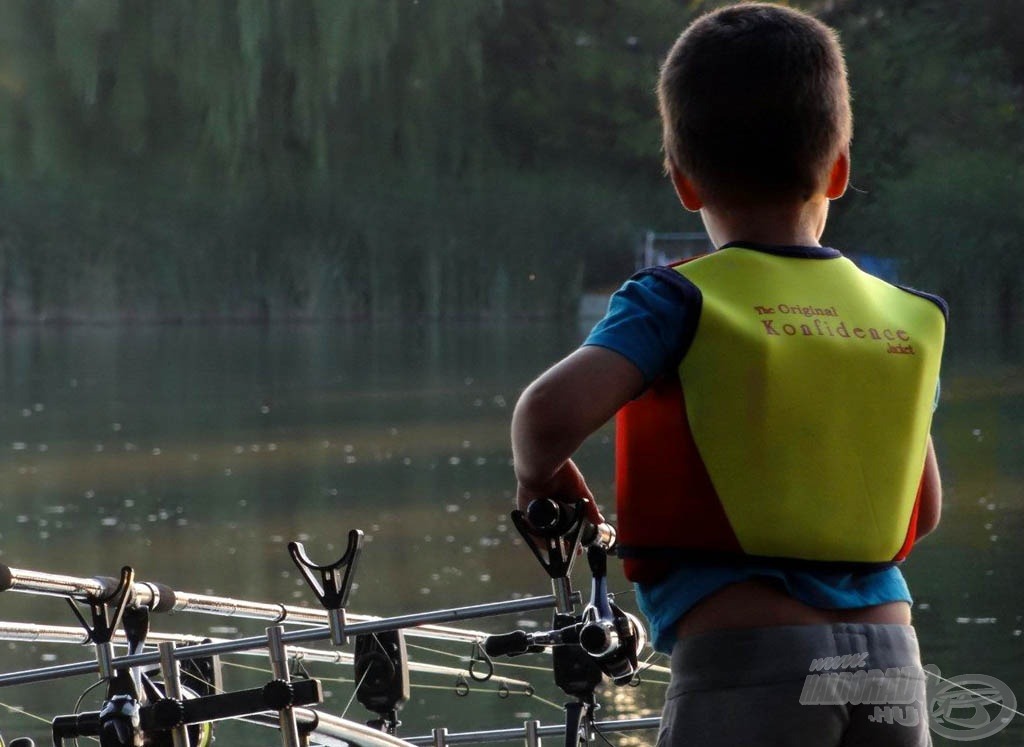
x=801, y=252
x=937, y=300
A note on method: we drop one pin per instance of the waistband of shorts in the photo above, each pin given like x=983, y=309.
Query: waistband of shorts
x=783, y=653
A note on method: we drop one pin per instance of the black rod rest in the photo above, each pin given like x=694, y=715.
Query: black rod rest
x=103, y=625
x=560, y=536
x=333, y=588
x=101, y=631
x=165, y=714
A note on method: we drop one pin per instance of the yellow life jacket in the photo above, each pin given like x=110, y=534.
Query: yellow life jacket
x=796, y=426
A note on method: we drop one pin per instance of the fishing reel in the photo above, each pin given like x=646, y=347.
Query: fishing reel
x=119, y=722
x=122, y=722
x=610, y=637
x=614, y=642
x=611, y=645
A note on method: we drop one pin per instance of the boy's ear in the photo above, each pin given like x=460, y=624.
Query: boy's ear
x=685, y=189
x=839, y=176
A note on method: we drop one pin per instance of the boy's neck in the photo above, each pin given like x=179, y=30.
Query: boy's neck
x=781, y=225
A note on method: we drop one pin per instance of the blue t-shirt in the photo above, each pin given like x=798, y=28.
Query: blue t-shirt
x=650, y=321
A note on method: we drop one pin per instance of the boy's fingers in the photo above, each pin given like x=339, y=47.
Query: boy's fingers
x=594, y=515
x=568, y=486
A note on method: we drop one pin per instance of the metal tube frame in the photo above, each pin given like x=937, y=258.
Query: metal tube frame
x=279, y=663
x=380, y=625
x=172, y=688
x=523, y=732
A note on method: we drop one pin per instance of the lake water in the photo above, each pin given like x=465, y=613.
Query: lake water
x=194, y=454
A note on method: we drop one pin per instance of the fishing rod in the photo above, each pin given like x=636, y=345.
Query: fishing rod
x=35, y=633
x=161, y=598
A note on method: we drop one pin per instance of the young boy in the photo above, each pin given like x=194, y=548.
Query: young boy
x=773, y=457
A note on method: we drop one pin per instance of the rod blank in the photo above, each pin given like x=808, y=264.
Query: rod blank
x=161, y=598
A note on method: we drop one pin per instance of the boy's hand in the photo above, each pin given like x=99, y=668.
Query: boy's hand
x=566, y=486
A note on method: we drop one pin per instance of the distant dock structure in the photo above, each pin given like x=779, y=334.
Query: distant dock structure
x=662, y=248
x=652, y=249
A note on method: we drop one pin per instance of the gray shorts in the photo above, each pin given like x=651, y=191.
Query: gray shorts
x=843, y=685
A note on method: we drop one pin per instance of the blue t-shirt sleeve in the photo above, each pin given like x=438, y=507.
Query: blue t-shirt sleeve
x=650, y=321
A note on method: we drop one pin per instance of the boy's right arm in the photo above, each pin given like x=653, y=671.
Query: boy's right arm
x=557, y=412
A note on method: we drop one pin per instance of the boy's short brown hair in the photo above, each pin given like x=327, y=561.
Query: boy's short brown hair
x=754, y=104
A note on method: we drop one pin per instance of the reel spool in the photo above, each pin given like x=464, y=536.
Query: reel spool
x=615, y=644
